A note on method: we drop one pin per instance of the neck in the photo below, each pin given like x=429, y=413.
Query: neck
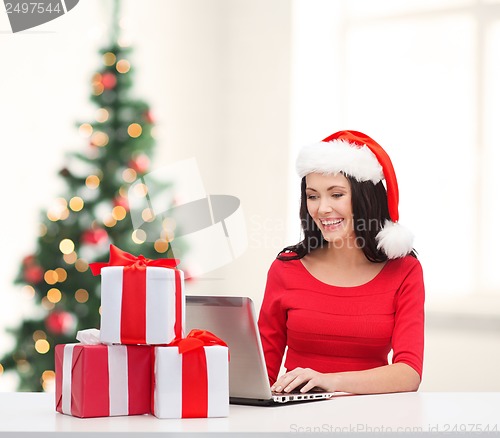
x=346, y=255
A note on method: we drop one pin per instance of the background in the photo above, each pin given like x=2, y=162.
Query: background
x=240, y=85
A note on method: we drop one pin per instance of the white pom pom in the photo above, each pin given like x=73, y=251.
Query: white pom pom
x=395, y=240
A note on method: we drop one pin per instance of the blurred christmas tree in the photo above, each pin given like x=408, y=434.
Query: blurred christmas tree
x=79, y=227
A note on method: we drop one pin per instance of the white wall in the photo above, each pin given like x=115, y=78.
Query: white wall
x=222, y=91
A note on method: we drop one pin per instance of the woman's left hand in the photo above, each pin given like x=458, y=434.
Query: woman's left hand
x=305, y=378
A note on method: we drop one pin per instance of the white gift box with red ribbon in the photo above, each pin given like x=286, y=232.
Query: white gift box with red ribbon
x=142, y=306
x=191, y=384
x=142, y=300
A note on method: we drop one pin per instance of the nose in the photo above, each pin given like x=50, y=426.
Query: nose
x=325, y=205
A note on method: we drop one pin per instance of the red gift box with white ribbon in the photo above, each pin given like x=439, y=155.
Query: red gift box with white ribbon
x=191, y=377
x=102, y=380
x=142, y=300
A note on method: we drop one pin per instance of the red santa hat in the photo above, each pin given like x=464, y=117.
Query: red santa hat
x=361, y=157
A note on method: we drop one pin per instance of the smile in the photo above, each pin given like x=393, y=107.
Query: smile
x=330, y=222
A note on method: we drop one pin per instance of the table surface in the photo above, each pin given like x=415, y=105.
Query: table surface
x=417, y=412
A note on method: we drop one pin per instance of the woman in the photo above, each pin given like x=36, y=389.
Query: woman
x=352, y=290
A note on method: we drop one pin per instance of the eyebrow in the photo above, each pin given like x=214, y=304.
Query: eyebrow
x=328, y=189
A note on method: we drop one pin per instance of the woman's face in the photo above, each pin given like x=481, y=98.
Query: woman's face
x=329, y=204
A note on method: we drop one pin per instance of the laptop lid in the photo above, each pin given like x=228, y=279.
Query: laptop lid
x=233, y=320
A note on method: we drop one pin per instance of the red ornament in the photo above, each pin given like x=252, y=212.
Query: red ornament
x=94, y=237
x=140, y=163
x=29, y=260
x=33, y=274
x=60, y=322
x=108, y=81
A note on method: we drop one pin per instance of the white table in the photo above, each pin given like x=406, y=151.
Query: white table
x=417, y=412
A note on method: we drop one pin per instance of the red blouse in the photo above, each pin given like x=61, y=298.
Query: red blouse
x=332, y=329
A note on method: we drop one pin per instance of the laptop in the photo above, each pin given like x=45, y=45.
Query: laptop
x=233, y=320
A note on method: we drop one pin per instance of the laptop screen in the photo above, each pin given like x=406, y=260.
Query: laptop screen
x=233, y=320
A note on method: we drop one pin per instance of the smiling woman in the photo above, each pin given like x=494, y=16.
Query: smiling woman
x=352, y=290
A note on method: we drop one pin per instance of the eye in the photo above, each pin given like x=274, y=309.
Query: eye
x=312, y=197
x=337, y=195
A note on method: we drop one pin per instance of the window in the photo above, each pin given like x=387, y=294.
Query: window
x=423, y=79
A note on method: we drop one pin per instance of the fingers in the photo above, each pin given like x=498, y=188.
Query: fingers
x=293, y=379
x=308, y=386
x=285, y=380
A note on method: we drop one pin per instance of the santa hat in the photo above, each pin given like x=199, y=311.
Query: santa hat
x=361, y=157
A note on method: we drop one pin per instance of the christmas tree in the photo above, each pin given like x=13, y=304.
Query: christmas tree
x=79, y=227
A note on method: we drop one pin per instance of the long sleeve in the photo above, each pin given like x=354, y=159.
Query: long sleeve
x=272, y=321
x=408, y=334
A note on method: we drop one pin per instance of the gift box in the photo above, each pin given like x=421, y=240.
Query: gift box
x=191, y=378
x=142, y=300
x=102, y=381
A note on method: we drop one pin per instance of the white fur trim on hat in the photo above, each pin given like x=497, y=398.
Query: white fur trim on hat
x=339, y=156
x=395, y=240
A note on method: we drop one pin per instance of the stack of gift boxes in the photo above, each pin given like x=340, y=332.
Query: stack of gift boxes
x=140, y=362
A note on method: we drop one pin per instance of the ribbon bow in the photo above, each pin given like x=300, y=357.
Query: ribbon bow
x=89, y=336
x=196, y=339
x=117, y=257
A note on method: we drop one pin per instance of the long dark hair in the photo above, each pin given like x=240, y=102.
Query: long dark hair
x=370, y=211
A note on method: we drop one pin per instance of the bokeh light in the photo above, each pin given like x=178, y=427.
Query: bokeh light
x=99, y=139
x=76, y=203
x=58, y=210
x=141, y=190
x=42, y=346
x=81, y=295
x=66, y=246
x=50, y=277
x=54, y=295
x=70, y=258
x=161, y=246
x=92, y=182
x=81, y=265
x=139, y=236
x=48, y=380
x=46, y=304
x=129, y=175
x=85, y=130
x=39, y=334
x=102, y=115
x=134, y=130
x=148, y=215
x=62, y=275
x=122, y=66
x=109, y=58
x=119, y=213
x=109, y=221
x=29, y=291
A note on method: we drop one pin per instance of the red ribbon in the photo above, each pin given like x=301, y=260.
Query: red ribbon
x=194, y=371
x=196, y=339
x=117, y=257
x=133, y=311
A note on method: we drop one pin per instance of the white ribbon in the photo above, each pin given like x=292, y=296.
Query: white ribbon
x=118, y=380
x=89, y=336
x=117, y=369
x=66, y=378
